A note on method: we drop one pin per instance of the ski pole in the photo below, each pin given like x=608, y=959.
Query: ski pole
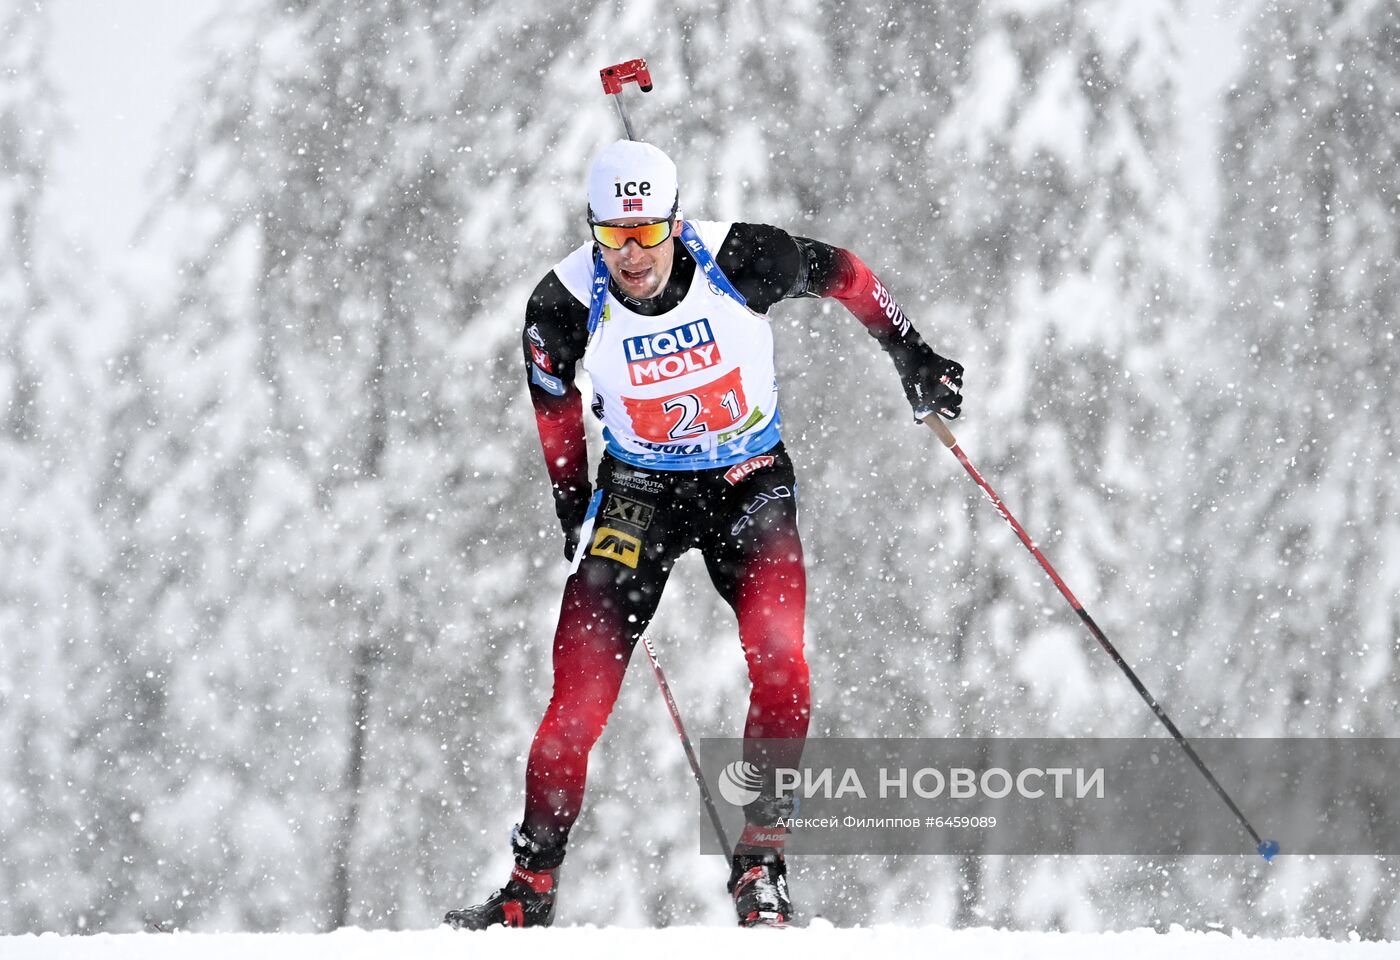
x=617, y=76
x=1268, y=849
x=689, y=750
x=614, y=78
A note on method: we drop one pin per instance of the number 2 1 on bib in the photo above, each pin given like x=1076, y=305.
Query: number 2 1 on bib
x=708, y=408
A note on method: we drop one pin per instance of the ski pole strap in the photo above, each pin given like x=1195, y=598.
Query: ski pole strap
x=706, y=262
x=598, y=292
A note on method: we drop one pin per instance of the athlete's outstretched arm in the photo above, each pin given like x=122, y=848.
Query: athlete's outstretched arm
x=932, y=383
x=767, y=264
x=555, y=335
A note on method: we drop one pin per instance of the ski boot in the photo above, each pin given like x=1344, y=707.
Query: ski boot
x=758, y=877
x=527, y=899
x=758, y=884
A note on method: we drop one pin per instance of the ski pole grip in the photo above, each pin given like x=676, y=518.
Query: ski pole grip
x=936, y=424
x=632, y=71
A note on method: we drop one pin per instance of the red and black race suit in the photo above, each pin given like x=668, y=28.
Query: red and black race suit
x=743, y=520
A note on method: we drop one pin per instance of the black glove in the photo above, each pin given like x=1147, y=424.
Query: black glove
x=571, y=507
x=933, y=384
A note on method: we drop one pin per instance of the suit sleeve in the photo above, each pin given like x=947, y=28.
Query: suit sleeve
x=762, y=262
x=768, y=264
x=556, y=332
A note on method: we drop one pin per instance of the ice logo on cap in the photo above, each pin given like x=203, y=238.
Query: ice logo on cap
x=740, y=783
x=629, y=178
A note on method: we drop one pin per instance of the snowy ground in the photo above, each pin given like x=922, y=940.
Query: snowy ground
x=677, y=943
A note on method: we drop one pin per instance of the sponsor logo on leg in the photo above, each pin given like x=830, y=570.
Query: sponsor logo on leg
x=616, y=545
x=619, y=509
x=635, y=481
x=754, y=506
x=751, y=466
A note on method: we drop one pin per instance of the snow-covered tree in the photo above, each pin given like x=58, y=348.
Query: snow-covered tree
x=1307, y=240
x=1051, y=250
x=51, y=549
x=1303, y=498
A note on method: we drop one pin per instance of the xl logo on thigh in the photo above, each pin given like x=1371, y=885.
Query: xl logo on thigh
x=622, y=510
x=616, y=545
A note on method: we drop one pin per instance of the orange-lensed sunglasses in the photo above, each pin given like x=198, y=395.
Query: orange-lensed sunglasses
x=646, y=234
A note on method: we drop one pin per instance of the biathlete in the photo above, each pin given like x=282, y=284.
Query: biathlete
x=668, y=317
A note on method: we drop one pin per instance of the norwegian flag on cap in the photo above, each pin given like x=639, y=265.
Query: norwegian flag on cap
x=628, y=206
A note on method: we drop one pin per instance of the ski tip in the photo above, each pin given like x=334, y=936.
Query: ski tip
x=1268, y=849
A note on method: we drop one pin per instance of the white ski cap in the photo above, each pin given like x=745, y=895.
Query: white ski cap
x=631, y=179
